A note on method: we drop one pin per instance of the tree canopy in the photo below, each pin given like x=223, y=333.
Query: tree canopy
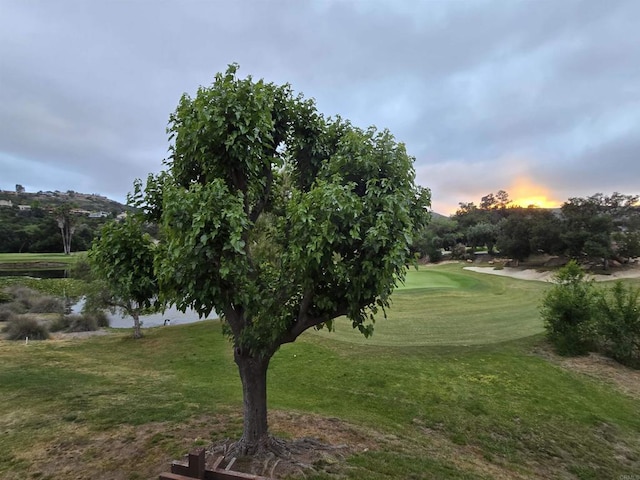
x=279, y=219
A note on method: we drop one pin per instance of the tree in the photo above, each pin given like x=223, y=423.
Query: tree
x=280, y=220
x=19, y=188
x=514, y=235
x=482, y=233
x=123, y=258
x=65, y=223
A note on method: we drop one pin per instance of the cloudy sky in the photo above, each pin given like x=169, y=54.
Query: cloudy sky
x=540, y=98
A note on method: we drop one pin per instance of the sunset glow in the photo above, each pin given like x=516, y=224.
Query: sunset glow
x=523, y=192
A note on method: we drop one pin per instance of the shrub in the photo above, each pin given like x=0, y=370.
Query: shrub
x=618, y=323
x=567, y=310
x=5, y=297
x=81, y=323
x=23, y=296
x=20, y=327
x=47, y=304
x=102, y=319
x=6, y=312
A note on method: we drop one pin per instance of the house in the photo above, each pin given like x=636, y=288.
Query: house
x=99, y=214
x=24, y=208
x=6, y=203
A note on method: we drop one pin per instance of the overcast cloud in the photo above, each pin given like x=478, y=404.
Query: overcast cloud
x=535, y=97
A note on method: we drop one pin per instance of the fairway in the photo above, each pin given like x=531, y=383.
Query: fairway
x=36, y=258
x=446, y=305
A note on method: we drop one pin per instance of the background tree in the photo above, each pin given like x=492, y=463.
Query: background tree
x=514, y=237
x=65, y=224
x=482, y=234
x=279, y=219
x=123, y=259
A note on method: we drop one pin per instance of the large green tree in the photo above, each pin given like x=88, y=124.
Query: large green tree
x=280, y=220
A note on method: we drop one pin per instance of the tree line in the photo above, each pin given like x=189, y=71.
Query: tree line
x=598, y=227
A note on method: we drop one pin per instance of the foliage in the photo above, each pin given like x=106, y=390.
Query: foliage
x=481, y=234
x=618, y=323
x=47, y=304
x=123, y=258
x=567, y=309
x=21, y=327
x=279, y=219
x=84, y=322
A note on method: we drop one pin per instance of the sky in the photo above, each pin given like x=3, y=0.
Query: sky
x=540, y=98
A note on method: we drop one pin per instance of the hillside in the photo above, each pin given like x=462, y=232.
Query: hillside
x=50, y=200
x=29, y=224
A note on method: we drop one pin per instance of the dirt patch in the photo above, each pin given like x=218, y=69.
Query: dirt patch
x=78, y=335
x=607, y=370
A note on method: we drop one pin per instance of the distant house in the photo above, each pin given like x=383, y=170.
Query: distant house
x=79, y=211
x=6, y=203
x=24, y=208
x=122, y=216
x=99, y=214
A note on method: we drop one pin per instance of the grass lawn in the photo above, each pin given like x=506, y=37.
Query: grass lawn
x=465, y=402
x=31, y=258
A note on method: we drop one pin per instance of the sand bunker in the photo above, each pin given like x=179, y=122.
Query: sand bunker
x=546, y=276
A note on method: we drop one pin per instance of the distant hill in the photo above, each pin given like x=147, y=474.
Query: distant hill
x=81, y=202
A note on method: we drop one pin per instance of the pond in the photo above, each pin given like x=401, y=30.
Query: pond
x=35, y=272
x=171, y=316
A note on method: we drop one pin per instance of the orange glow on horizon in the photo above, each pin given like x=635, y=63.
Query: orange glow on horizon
x=524, y=193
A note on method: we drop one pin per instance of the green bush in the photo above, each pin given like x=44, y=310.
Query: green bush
x=618, y=324
x=21, y=327
x=567, y=310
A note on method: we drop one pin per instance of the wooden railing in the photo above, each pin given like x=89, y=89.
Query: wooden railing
x=196, y=469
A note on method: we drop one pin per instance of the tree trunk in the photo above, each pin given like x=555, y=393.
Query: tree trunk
x=253, y=374
x=137, y=332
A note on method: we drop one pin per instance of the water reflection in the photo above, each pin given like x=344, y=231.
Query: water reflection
x=36, y=273
x=173, y=315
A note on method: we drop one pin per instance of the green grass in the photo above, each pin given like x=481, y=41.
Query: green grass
x=29, y=258
x=447, y=305
x=433, y=409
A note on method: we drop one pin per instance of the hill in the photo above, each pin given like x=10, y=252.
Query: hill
x=89, y=202
x=29, y=224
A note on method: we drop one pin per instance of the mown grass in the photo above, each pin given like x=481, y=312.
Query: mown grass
x=447, y=305
x=29, y=258
x=436, y=409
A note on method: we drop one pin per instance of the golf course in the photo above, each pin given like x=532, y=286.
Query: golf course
x=457, y=382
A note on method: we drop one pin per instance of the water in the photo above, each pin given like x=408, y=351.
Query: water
x=35, y=273
x=173, y=315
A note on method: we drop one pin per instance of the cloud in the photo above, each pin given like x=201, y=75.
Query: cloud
x=481, y=92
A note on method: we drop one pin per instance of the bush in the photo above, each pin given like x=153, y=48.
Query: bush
x=6, y=312
x=21, y=327
x=81, y=323
x=86, y=322
x=23, y=296
x=618, y=324
x=5, y=297
x=47, y=304
x=102, y=320
x=567, y=310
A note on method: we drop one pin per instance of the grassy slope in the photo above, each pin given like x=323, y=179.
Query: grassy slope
x=438, y=411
